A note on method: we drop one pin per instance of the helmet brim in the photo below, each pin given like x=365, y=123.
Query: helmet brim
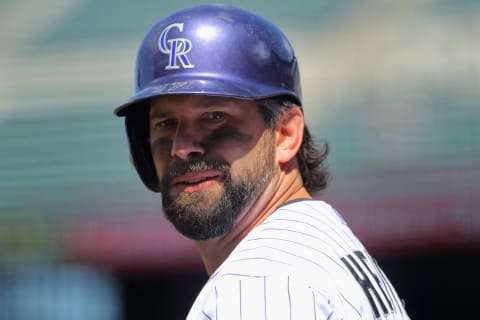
x=209, y=86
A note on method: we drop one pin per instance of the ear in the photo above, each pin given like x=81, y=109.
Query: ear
x=289, y=135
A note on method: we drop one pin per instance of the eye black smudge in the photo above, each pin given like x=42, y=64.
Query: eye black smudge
x=227, y=135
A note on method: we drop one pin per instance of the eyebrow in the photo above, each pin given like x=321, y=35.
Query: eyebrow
x=158, y=114
x=213, y=103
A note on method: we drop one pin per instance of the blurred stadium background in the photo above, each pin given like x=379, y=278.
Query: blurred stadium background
x=393, y=86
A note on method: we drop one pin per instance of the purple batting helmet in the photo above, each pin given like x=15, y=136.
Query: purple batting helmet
x=215, y=50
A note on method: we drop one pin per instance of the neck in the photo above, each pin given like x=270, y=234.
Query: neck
x=287, y=187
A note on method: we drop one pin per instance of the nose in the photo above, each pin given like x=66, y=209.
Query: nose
x=187, y=143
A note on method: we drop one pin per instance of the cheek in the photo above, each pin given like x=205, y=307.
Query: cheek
x=161, y=153
x=262, y=156
x=230, y=139
x=258, y=158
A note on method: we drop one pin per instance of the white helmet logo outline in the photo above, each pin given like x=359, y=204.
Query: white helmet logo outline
x=176, y=48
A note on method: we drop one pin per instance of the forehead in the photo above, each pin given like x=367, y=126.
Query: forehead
x=179, y=103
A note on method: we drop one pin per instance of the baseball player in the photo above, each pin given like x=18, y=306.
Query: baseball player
x=216, y=126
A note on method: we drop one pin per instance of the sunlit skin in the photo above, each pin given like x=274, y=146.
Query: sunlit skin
x=188, y=127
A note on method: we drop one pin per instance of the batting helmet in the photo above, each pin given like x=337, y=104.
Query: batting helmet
x=216, y=50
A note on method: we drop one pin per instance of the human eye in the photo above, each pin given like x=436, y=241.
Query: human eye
x=164, y=123
x=216, y=116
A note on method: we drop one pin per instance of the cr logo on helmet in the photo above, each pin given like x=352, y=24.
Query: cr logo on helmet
x=176, y=48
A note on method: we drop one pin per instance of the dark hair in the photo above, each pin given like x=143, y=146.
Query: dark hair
x=310, y=157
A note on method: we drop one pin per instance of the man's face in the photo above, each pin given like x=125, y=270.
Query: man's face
x=213, y=157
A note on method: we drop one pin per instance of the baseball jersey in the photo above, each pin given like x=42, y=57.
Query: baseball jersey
x=303, y=262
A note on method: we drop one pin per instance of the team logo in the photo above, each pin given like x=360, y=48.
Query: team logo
x=176, y=48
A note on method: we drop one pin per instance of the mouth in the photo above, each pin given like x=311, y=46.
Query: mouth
x=196, y=181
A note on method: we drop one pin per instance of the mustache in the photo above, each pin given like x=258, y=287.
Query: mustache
x=180, y=168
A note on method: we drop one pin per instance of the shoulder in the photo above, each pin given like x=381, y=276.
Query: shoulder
x=300, y=239
x=306, y=211
x=303, y=258
x=287, y=264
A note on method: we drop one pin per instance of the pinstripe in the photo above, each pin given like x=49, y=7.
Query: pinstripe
x=338, y=238
x=302, y=245
x=265, y=296
x=289, y=298
x=240, y=297
x=296, y=256
x=258, y=258
x=330, y=315
x=314, y=309
x=323, y=219
x=236, y=275
x=348, y=239
x=325, y=231
x=281, y=230
x=327, y=220
x=328, y=226
x=351, y=304
x=206, y=315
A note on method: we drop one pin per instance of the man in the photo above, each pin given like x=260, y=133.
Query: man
x=216, y=126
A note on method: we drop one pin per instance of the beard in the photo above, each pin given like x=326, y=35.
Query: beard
x=211, y=213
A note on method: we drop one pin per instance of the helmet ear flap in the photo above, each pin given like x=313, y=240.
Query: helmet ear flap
x=136, y=124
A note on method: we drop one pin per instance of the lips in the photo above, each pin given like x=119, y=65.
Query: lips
x=196, y=181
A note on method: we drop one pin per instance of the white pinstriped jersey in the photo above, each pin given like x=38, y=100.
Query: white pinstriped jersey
x=302, y=263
